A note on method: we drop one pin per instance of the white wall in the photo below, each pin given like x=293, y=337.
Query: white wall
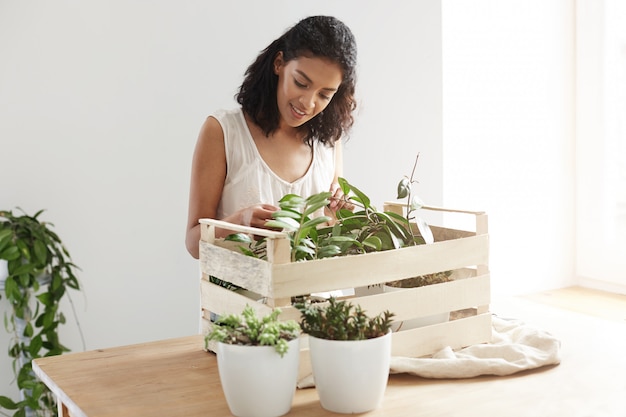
x=601, y=144
x=100, y=105
x=508, y=117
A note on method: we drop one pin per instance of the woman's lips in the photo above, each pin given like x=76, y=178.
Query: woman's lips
x=297, y=113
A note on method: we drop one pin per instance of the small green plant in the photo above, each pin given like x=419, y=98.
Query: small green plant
x=40, y=272
x=248, y=329
x=341, y=320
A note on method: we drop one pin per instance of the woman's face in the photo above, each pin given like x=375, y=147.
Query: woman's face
x=305, y=87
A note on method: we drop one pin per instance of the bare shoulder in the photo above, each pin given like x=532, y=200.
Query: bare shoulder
x=211, y=131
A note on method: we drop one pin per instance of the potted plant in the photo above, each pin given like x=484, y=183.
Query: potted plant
x=258, y=361
x=38, y=271
x=350, y=354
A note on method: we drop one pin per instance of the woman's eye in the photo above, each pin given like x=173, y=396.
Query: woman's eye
x=325, y=97
x=299, y=84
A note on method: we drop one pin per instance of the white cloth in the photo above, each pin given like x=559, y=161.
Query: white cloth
x=250, y=181
x=514, y=347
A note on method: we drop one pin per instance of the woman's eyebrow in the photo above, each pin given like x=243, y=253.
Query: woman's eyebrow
x=311, y=81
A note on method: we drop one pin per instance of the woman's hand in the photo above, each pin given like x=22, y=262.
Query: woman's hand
x=338, y=200
x=257, y=215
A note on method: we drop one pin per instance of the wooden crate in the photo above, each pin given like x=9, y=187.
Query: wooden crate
x=272, y=283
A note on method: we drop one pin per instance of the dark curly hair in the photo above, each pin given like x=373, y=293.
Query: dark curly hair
x=318, y=36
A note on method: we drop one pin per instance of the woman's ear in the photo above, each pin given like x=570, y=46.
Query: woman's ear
x=278, y=62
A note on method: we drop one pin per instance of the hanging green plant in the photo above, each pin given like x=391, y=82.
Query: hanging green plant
x=40, y=271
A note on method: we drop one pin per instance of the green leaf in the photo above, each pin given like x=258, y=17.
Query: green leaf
x=35, y=346
x=283, y=223
x=373, y=242
x=416, y=203
x=425, y=230
x=11, y=253
x=28, y=330
x=238, y=237
x=247, y=251
x=11, y=289
x=364, y=199
x=45, y=298
x=37, y=391
x=7, y=403
x=291, y=201
x=26, y=268
x=287, y=213
x=319, y=198
x=404, y=187
x=305, y=249
x=41, y=252
x=345, y=186
x=328, y=251
x=310, y=209
x=340, y=239
x=5, y=238
x=315, y=221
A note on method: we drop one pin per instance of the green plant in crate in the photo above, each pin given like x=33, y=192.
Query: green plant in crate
x=40, y=271
x=363, y=230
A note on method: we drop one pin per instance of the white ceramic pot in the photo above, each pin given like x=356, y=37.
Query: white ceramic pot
x=350, y=376
x=4, y=273
x=419, y=321
x=256, y=380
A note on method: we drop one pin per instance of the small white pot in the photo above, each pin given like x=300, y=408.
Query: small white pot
x=419, y=321
x=256, y=380
x=350, y=376
x=4, y=273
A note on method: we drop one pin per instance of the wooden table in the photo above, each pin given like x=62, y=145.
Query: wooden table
x=177, y=378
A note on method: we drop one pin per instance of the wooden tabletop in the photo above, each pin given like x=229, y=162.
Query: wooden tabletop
x=177, y=377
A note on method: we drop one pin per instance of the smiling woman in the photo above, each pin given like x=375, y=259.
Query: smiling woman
x=297, y=100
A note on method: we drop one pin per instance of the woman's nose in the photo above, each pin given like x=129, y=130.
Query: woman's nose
x=308, y=100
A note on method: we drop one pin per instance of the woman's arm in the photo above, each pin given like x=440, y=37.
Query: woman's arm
x=208, y=173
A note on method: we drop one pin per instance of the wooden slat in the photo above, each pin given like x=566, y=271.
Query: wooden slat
x=394, y=205
x=431, y=299
x=225, y=301
x=379, y=267
x=456, y=334
x=243, y=229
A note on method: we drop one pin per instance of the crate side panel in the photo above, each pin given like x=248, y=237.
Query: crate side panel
x=430, y=339
x=379, y=267
x=245, y=271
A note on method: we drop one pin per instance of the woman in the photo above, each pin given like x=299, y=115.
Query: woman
x=296, y=101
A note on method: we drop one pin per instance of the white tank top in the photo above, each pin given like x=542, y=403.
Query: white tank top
x=250, y=181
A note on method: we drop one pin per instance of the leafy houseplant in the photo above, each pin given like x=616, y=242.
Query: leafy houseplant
x=248, y=329
x=40, y=271
x=258, y=361
x=350, y=354
x=341, y=320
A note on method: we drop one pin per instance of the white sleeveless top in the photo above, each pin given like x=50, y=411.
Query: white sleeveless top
x=250, y=181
